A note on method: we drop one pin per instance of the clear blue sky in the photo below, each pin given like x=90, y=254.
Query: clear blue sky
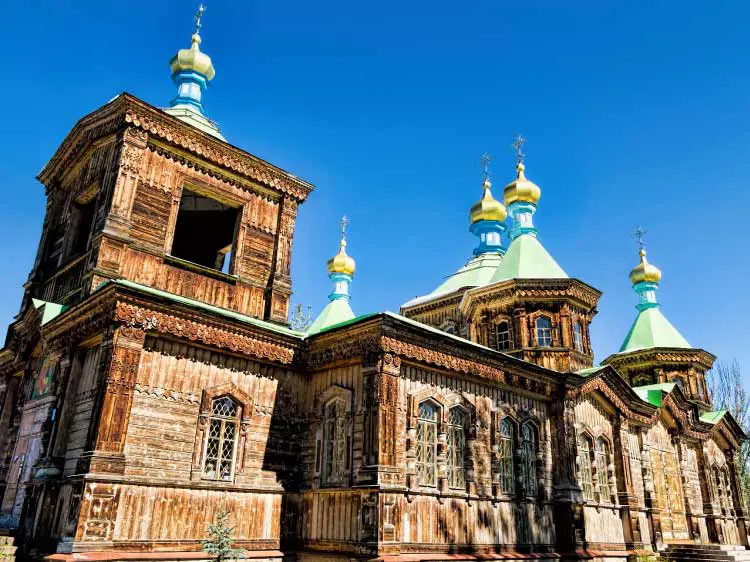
x=635, y=113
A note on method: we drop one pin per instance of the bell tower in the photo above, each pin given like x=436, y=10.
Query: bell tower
x=158, y=197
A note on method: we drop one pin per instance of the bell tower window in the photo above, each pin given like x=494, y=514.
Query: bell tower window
x=578, y=337
x=504, y=338
x=204, y=232
x=544, y=331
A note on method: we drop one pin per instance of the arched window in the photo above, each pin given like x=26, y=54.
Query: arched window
x=602, y=462
x=544, y=331
x=584, y=459
x=335, y=446
x=715, y=485
x=504, y=336
x=456, y=447
x=221, y=440
x=427, y=444
x=528, y=459
x=505, y=455
x=578, y=336
x=728, y=501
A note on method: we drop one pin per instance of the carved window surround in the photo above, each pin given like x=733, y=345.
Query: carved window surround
x=340, y=442
x=444, y=403
x=246, y=404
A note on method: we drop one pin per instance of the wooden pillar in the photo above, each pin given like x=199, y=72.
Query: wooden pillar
x=737, y=498
x=567, y=498
x=109, y=425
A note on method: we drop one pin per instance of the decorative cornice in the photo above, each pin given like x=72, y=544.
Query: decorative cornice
x=660, y=356
x=514, y=290
x=129, y=111
x=183, y=327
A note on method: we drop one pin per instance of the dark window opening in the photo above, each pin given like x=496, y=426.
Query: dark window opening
x=84, y=219
x=205, y=231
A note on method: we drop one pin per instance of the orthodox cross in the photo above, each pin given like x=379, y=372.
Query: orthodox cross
x=344, y=223
x=198, y=16
x=486, y=158
x=518, y=147
x=639, y=235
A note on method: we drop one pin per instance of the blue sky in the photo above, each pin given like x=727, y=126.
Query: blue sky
x=634, y=114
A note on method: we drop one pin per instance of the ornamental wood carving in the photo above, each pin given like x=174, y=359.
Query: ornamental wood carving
x=154, y=321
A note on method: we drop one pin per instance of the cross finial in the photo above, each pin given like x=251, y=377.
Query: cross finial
x=518, y=147
x=198, y=16
x=344, y=223
x=486, y=158
x=639, y=234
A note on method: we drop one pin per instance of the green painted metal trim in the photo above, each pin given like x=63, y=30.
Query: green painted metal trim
x=50, y=311
x=713, y=417
x=589, y=371
x=654, y=393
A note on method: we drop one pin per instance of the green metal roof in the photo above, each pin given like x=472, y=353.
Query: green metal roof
x=652, y=329
x=589, y=371
x=713, y=417
x=526, y=258
x=207, y=307
x=50, y=310
x=653, y=393
x=477, y=272
x=336, y=312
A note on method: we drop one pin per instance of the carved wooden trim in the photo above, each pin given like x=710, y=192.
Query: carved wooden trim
x=154, y=321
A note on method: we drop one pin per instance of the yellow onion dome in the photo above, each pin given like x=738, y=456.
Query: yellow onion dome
x=488, y=208
x=193, y=59
x=521, y=189
x=645, y=271
x=341, y=262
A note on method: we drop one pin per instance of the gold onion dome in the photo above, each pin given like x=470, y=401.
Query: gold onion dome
x=521, y=189
x=341, y=262
x=193, y=59
x=488, y=208
x=644, y=271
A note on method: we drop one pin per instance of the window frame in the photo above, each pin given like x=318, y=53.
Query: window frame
x=601, y=462
x=424, y=423
x=336, y=475
x=507, y=456
x=543, y=334
x=528, y=461
x=508, y=332
x=578, y=337
x=455, y=460
x=224, y=422
x=585, y=469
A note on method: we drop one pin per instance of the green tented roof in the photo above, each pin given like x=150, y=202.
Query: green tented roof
x=207, y=307
x=652, y=393
x=336, y=312
x=477, y=272
x=526, y=258
x=652, y=329
x=713, y=417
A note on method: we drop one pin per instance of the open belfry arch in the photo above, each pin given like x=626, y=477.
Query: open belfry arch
x=151, y=379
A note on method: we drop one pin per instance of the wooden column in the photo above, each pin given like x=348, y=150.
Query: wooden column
x=119, y=368
x=737, y=498
x=567, y=498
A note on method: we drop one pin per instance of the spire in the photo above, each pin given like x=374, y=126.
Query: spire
x=341, y=272
x=651, y=328
x=192, y=70
x=488, y=216
x=645, y=277
x=521, y=196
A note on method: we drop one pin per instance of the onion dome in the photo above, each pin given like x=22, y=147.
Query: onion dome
x=341, y=262
x=644, y=271
x=488, y=208
x=521, y=190
x=193, y=59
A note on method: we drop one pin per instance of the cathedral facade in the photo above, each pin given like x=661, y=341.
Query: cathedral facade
x=151, y=379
